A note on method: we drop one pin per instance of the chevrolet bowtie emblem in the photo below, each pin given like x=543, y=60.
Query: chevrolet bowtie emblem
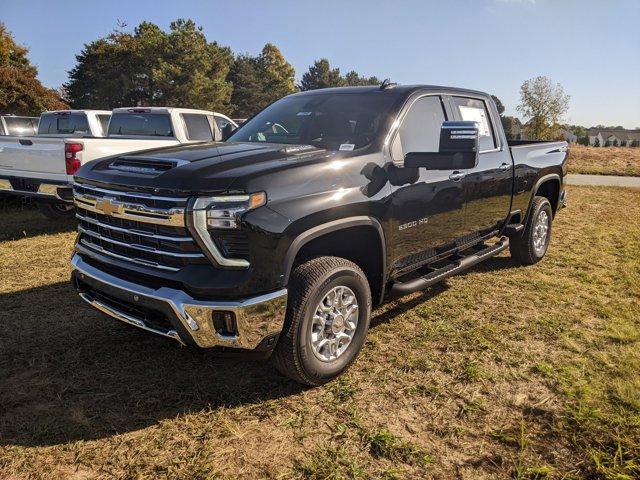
x=108, y=206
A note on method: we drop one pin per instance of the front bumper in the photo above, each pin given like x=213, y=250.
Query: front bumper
x=175, y=314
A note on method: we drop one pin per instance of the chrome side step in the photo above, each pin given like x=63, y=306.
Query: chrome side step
x=456, y=266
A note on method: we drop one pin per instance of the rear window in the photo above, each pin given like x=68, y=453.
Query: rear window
x=104, y=123
x=21, y=125
x=63, y=123
x=141, y=124
x=198, y=127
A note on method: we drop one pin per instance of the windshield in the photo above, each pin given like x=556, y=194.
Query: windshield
x=141, y=124
x=336, y=121
x=21, y=125
x=63, y=123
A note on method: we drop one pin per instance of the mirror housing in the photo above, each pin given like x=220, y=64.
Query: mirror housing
x=227, y=131
x=458, y=149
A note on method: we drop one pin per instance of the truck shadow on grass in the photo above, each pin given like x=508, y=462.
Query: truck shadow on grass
x=67, y=373
x=23, y=220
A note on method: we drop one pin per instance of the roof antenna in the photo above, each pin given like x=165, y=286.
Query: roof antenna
x=387, y=83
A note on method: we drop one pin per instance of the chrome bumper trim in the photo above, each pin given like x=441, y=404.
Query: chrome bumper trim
x=256, y=317
x=126, y=318
x=44, y=189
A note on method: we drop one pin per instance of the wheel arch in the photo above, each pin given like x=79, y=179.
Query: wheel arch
x=329, y=239
x=548, y=186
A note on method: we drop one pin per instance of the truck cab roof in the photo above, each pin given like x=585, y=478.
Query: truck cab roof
x=160, y=110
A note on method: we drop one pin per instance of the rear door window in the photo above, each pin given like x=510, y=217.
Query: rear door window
x=474, y=110
x=21, y=125
x=104, y=123
x=141, y=124
x=63, y=123
x=198, y=127
x=420, y=128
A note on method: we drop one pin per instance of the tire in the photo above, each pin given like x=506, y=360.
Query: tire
x=299, y=354
x=57, y=210
x=523, y=247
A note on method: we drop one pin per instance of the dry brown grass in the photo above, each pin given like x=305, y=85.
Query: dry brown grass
x=604, y=160
x=503, y=372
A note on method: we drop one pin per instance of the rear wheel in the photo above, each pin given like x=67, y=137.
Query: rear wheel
x=532, y=243
x=56, y=210
x=327, y=320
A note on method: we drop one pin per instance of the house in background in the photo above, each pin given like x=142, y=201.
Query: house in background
x=613, y=136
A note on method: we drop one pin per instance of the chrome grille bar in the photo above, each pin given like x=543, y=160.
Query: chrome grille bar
x=130, y=211
x=131, y=231
x=139, y=261
x=147, y=196
x=142, y=248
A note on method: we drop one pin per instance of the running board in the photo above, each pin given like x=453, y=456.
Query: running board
x=457, y=266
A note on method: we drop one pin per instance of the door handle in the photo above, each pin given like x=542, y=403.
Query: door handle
x=457, y=176
x=504, y=167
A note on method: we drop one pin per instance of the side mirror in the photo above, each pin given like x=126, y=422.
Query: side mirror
x=458, y=149
x=227, y=131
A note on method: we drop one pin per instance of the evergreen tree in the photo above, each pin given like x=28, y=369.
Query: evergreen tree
x=321, y=75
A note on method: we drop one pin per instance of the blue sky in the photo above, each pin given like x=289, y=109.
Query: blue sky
x=592, y=48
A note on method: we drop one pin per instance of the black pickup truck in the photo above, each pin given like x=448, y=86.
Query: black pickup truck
x=280, y=240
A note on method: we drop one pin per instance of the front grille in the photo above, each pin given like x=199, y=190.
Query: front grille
x=139, y=228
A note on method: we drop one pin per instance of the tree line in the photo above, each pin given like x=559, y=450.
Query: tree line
x=180, y=67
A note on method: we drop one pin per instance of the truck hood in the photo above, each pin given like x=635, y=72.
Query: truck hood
x=199, y=168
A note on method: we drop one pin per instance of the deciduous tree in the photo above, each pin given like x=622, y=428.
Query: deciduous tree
x=21, y=92
x=543, y=103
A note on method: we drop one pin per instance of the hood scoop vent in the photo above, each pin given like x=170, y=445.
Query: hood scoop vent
x=144, y=165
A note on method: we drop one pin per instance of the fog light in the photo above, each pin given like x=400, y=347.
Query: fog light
x=224, y=323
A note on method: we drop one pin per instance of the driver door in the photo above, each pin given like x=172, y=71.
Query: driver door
x=427, y=206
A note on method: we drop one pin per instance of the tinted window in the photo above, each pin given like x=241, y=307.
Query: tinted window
x=474, y=110
x=335, y=121
x=221, y=122
x=420, y=128
x=142, y=124
x=1, y=128
x=21, y=125
x=104, y=123
x=63, y=123
x=197, y=126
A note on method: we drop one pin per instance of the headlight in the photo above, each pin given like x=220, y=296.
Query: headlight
x=224, y=212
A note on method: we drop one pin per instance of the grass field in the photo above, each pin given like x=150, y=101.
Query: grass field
x=604, y=160
x=503, y=372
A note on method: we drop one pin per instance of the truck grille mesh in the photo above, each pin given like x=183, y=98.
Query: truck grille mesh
x=138, y=228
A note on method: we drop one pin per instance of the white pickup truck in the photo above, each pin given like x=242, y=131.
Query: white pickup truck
x=43, y=166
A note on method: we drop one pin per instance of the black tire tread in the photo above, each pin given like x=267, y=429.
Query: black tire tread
x=302, y=285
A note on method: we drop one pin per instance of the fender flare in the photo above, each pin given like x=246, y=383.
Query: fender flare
x=534, y=190
x=330, y=227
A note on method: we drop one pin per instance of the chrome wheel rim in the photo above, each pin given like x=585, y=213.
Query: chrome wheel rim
x=334, y=324
x=541, y=232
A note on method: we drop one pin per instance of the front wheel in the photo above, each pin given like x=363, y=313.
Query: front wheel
x=56, y=210
x=327, y=320
x=532, y=243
